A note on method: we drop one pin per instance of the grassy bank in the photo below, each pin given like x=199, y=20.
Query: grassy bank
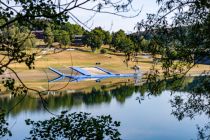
x=82, y=57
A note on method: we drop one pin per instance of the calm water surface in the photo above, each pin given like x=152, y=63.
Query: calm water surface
x=149, y=119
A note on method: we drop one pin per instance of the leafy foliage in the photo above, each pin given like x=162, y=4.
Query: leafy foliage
x=15, y=42
x=196, y=103
x=127, y=47
x=107, y=38
x=186, y=36
x=204, y=133
x=49, y=37
x=103, y=51
x=3, y=125
x=117, y=38
x=94, y=39
x=123, y=43
x=75, y=126
x=62, y=37
x=72, y=29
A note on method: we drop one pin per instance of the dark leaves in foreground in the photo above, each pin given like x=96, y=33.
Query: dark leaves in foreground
x=3, y=126
x=74, y=126
x=204, y=133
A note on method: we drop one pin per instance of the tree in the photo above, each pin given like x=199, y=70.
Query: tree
x=123, y=43
x=185, y=36
x=65, y=38
x=137, y=44
x=62, y=37
x=75, y=126
x=99, y=32
x=117, y=38
x=96, y=38
x=144, y=45
x=107, y=38
x=105, y=35
x=72, y=29
x=15, y=41
x=127, y=46
x=49, y=37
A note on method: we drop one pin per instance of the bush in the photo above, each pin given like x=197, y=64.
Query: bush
x=102, y=51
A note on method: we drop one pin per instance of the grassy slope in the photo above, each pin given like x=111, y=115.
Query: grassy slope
x=83, y=57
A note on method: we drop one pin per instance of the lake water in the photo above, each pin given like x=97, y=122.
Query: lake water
x=149, y=119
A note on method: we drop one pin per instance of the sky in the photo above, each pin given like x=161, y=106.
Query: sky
x=111, y=22
x=114, y=23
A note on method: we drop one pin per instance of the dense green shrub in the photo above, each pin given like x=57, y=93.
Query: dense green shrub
x=103, y=51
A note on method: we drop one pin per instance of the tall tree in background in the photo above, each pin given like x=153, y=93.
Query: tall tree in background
x=127, y=46
x=65, y=37
x=121, y=42
x=61, y=36
x=105, y=35
x=107, y=38
x=49, y=37
x=117, y=37
x=94, y=39
x=72, y=29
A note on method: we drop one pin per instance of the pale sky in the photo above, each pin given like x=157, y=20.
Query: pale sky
x=114, y=23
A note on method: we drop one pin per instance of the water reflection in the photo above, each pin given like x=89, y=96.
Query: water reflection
x=194, y=99
x=55, y=101
x=196, y=102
